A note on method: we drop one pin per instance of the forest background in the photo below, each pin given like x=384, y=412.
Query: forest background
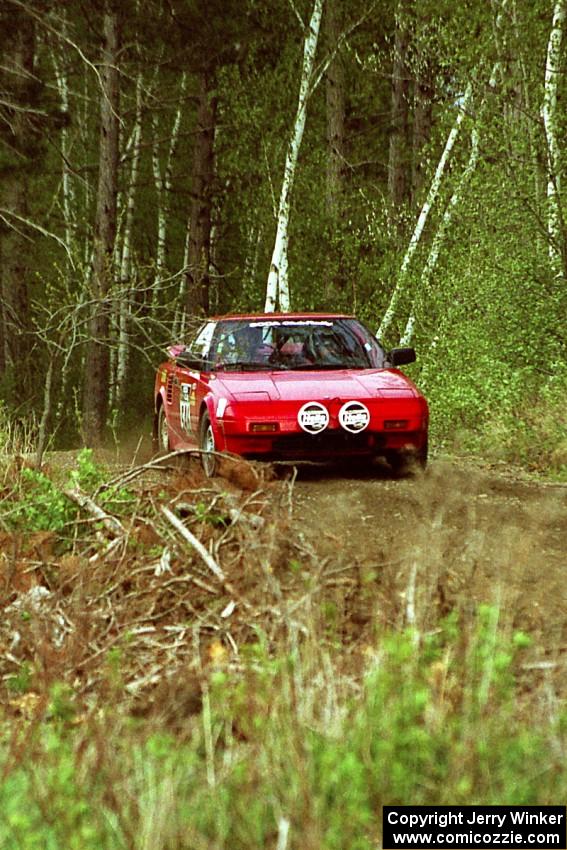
x=255, y=661
x=143, y=152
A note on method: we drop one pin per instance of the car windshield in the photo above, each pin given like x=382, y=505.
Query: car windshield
x=293, y=344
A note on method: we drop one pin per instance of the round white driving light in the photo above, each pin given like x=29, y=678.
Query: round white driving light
x=354, y=416
x=313, y=417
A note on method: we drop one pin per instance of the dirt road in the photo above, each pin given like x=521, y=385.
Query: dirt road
x=459, y=535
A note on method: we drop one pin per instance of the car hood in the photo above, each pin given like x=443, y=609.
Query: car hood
x=316, y=386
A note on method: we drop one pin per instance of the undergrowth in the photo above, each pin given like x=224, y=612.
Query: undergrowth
x=149, y=704
x=285, y=744
x=34, y=501
x=483, y=406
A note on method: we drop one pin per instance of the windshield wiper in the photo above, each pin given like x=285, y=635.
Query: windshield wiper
x=329, y=367
x=241, y=366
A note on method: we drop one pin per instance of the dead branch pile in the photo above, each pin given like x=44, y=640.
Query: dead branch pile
x=142, y=603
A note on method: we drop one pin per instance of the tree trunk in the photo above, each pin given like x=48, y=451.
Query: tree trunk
x=552, y=70
x=126, y=265
x=466, y=175
x=335, y=96
x=20, y=135
x=95, y=404
x=398, y=162
x=278, y=286
x=68, y=207
x=423, y=216
x=201, y=198
x=433, y=256
x=163, y=184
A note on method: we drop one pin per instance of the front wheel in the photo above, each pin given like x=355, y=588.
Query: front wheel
x=161, y=433
x=422, y=455
x=403, y=463
x=207, y=444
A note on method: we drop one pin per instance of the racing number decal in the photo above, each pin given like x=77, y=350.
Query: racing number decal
x=186, y=401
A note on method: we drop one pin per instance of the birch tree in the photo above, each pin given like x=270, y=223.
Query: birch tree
x=456, y=196
x=67, y=188
x=398, y=291
x=277, y=291
x=433, y=255
x=550, y=122
x=118, y=385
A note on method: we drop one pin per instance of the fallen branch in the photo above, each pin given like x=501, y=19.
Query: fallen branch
x=157, y=463
x=112, y=525
x=196, y=544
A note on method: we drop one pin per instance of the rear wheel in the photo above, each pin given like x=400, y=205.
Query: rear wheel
x=207, y=444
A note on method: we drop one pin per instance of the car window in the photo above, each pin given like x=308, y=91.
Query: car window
x=238, y=342
x=202, y=342
x=303, y=343
x=374, y=350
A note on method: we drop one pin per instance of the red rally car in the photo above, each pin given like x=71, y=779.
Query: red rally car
x=289, y=386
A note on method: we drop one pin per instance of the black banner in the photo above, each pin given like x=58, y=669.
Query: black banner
x=474, y=827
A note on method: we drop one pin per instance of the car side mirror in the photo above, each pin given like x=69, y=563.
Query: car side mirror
x=173, y=351
x=401, y=356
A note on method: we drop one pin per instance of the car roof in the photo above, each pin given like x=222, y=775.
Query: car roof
x=277, y=316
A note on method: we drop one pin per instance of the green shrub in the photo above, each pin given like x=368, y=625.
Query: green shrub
x=265, y=749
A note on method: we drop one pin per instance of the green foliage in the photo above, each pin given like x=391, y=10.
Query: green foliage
x=38, y=503
x=405, y=738
x=41, y=506
x=88, y=475
x=490, y=328
x=20, y=683
x=91, y=477
x=204, y=513
x=62, y=811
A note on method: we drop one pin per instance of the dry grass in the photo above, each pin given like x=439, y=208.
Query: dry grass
x=281, y=697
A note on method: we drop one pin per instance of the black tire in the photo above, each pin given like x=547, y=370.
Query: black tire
x=402, y=463
x=422, y=455
x=209, y=462
x=398, y=463
x=161, y=442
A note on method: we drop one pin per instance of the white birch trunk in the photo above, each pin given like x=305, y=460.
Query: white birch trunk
x=433, y=256
x=426, y=209
x=125, y=272
x=549, y=111
x=179, y=319
x=278, y=285
x=161, y=216
x=283, y=281
x=162, y=182
x=67, y=185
